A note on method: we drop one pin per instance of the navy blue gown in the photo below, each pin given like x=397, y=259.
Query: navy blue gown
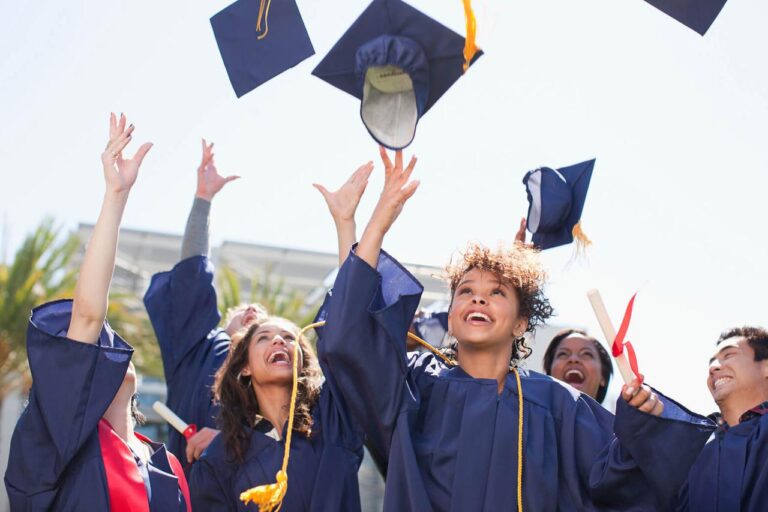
x=730, y=473
x=450, y=440
x=322, y=469
x=183, y=309
x=58, y=457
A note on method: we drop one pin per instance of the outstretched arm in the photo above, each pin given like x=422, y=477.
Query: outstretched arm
x=91, y=292
x=343, y=204
x=397, y=190
x=209, y=183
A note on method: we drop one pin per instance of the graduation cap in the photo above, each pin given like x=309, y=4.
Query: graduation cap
x=556, y=200
x=432, y=327
x=399, y=62
x=698, y=15
x=259, y=39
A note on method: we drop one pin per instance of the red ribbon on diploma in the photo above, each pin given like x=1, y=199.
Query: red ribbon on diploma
x=618, y=343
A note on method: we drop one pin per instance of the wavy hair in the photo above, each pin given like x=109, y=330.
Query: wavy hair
x=239, y=406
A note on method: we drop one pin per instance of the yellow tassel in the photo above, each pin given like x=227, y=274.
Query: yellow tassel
x=581, y=239
x=263, y=16
x=269, y=498
x=470, y=48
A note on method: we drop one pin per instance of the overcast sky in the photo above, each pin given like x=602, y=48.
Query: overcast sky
x=677, y=123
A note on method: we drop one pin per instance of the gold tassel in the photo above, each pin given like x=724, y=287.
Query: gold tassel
x=263, y=15
x=470, y=48
x=581, y=239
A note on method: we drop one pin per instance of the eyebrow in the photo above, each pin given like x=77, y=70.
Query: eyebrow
x=734, y=347
x=494, y=281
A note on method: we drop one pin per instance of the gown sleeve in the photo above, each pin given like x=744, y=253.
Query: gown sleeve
x=363, y=344
x=664, y=447
x=207, y=485
x=183, y=309
x=73, y=385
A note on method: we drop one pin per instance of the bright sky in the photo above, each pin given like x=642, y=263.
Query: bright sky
x=677, y=123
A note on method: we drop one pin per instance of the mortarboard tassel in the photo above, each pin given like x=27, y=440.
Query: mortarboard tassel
x=470, y=48
x=581, y=239
x=263, y=16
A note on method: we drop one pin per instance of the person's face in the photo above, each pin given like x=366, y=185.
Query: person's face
x=270, y=354
x=244, y=317
x=577, y=362
x=485, y=311
x=733, y=370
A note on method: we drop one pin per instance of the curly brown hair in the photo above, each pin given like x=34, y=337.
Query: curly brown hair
x=239, y=406
x=519, y=267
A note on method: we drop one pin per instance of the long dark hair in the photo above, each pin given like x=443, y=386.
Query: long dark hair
x=606, y=367
x=239, y=405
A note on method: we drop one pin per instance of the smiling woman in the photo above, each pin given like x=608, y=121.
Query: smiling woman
x=580, y=360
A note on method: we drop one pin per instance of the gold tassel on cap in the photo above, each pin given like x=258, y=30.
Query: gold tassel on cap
x=264, y=6
x=581, y=239
x=470, y=48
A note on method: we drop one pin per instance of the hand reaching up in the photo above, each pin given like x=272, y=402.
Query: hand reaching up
x=209, y=181
x=120, y=173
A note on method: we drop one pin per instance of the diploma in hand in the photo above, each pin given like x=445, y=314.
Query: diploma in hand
x=168, y=415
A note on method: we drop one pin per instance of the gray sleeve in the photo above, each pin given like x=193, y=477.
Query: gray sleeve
x=196, y=233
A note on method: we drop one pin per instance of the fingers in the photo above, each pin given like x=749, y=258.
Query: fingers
x=231, y=178
x=399, y=159
x=117, y=144
x=520, y=235
x=409, y=190
x=362, y=173
x=322, y=190
x=112, y=126
x=121, y=123
x=142, y=152
x=190, y=451
x=409, y=169
x=385, y=157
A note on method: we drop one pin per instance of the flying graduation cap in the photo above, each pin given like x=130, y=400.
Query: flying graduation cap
x=398, y=62
x=556, y=200
x=698, y=15
x=259, y=39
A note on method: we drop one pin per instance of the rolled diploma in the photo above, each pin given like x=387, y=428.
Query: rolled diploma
x=170, y=416
x=610, y=334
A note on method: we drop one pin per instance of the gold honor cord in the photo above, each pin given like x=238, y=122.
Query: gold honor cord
x=470, y=48
x=269, y=498
x=263, y=16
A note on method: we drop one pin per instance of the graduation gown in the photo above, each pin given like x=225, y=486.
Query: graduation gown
x=729, y=473
x=183, y=309
x=450, y=439
x=63, y=455
x=322, y=469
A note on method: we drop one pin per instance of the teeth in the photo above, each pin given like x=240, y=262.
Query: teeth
x=279, y=355
x=478, y=316
x=721, y=380
x=574, y=372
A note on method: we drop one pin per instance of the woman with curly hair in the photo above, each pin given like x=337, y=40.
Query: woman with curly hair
x=471, y=430
x=253, y=388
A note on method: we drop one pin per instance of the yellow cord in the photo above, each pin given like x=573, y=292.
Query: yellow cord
x=470, y=48
x=269, y=498
x=263, y=15
x=519, y=442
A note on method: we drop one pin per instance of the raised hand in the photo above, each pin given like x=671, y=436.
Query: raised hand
x=520, y=235
x=397, y=190
x=209, y=181
x=120, y=173
x=343, y=203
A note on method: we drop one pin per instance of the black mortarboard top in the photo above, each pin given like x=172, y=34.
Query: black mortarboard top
x=399, y=62
x=259, y=39
x=698, y=15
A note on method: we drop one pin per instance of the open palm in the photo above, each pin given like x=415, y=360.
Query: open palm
x=343, y=203
x=209, y=181
x=120, y=173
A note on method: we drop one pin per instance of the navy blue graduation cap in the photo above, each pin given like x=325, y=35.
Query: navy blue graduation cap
x=556, y=200
x=399, y=62
x=698, y=15
x=259, y=39
x=432, y=327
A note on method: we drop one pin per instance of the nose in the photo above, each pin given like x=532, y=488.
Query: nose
x=278, y=340
x=573, y=357
x=714, y=366
x=478, y=299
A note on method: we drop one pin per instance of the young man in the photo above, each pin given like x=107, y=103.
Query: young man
x=730, y=472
